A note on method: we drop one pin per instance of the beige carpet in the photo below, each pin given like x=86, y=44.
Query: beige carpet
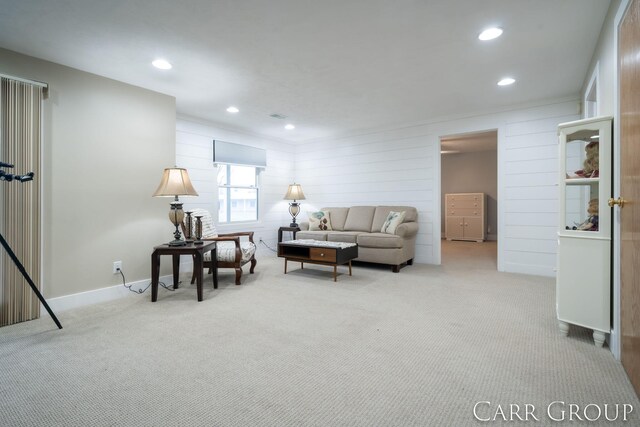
x=418, y=348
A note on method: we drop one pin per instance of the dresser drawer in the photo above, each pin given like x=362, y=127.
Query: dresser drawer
x=322, y=254
x=465, y=203
x=464, y=212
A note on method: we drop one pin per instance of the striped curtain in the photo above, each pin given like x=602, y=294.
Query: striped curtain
x=20, y=135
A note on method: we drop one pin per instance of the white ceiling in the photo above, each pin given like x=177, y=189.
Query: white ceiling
x=333, y=67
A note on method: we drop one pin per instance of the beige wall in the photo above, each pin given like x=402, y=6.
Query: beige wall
x=473, y=173
x=105, y=145
x=604, y=56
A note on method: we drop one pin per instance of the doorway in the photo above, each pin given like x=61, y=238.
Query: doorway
x=469, y=198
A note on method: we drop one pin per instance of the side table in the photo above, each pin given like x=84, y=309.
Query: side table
x=294, y=230
x=197, y=251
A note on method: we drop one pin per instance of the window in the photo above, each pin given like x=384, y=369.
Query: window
x=237, y=193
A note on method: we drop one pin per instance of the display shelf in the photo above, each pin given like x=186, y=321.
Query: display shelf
x=583, y=287
x=581, y=181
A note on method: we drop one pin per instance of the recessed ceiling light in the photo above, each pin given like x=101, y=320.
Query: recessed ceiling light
x=506, y=81
x=163, y=64
x=490, y=34
x=595, y=137
x=449, y=152
x=289, y=126
x=233, y=109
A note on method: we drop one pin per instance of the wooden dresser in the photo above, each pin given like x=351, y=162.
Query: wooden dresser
x=466, y=216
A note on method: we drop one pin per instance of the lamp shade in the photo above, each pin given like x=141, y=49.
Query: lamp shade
x=294, y=192
x=175, y=182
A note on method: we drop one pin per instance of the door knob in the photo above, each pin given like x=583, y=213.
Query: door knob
x=619, y=201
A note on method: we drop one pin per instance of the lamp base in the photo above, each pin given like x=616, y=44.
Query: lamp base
x=177, y=243
x=293, y=224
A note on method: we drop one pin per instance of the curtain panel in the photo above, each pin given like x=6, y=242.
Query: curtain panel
x=20, y=222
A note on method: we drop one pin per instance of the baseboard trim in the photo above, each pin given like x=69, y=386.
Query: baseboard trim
x=110, y=293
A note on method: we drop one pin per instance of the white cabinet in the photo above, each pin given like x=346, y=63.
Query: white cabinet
x=583, y=285
x=465, y=216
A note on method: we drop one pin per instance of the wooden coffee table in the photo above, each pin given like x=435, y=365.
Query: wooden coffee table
x=318, y=252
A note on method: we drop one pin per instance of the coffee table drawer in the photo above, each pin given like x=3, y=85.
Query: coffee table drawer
x=322, y=254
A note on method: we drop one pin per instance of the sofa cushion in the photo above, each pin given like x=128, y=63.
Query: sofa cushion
x=344, y=236
x=394, y=219
x=359, y=218
x=410, y=215
x=379, y=240
x=320, y=220
x=315, y=235
x=338, y=217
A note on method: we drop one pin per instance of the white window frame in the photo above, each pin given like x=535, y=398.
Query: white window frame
x=229, y=221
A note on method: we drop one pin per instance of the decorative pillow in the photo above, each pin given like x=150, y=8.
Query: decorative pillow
x=394, y=219
x=319, y=221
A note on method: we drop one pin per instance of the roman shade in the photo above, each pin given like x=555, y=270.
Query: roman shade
x=237, y=154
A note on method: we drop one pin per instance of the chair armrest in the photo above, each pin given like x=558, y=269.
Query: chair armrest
x=249, y=234
x=407, y=230
x=304, y=226
x=228, y=238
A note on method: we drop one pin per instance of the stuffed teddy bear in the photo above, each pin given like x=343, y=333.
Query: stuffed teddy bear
x=591, y=163
x=591, y=223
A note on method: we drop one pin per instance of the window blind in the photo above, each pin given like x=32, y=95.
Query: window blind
x=237, y=154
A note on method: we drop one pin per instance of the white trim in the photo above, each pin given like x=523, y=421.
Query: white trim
x=595, y=79
x=110, y=293
x=614, y=340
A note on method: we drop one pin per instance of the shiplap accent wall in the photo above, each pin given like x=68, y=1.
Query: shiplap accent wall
x=194, y=152
x=402, y=167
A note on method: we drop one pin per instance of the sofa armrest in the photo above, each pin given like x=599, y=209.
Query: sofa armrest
x=407, y=230
x=304, y=226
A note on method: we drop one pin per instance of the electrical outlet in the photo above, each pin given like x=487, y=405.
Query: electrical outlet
x=117, y=266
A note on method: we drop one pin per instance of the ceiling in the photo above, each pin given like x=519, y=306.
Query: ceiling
x=469, y=143
x=333, y=67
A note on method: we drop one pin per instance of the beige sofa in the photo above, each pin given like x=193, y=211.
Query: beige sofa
x=362, y=225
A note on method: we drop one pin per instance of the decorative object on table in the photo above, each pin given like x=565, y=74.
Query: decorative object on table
x=294, y=193
x=175, y=182
x=319, y=221
x=231, y=252
x=198, y=240
x=188, y=231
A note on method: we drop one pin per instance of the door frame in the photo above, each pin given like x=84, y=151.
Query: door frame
x=499, y=129
x=614, y=339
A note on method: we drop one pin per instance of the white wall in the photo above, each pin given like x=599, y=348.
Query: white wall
x=194, y=139
x=402, y=166
x=604, y=62
x=473, y=172
x=392, y=168
x=104, y=146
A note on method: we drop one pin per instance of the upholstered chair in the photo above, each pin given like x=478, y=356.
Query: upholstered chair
x=232, y=252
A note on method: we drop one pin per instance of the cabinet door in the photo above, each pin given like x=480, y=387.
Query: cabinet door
x=455, y=227
x=473, y=228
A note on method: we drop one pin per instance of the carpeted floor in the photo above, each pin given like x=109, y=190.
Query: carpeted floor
x=418, y=348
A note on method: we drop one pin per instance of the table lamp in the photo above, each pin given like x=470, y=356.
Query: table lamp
x=294, y=193
x=175, y=182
